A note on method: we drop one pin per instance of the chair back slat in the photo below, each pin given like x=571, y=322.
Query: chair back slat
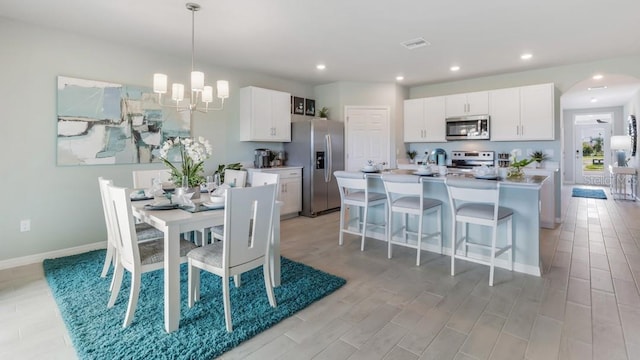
x=397, y=185
x=262, y=178
x=143, y=179
x=125, y=235
x=349, y=181
x=463, y=191
x=235, y=178
x=248, y=221
x=104, y=195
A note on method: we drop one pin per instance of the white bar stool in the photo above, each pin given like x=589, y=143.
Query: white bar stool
x=477, y=202
x=354, y=191
x=405, y=195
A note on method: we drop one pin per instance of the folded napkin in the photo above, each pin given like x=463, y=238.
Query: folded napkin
x=221, y=190
x=183, y=199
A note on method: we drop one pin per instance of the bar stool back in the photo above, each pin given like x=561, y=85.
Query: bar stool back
x=354, y=191
x=477, y=202
x=405, y=195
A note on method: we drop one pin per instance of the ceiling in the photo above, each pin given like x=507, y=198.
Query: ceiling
x=357, y=40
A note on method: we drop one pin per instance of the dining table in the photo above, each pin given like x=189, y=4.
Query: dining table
x=174, y=222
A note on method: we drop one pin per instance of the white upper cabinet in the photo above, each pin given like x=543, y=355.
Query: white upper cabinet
x=523, y=113
x=265, y=115
x=424, y=120
x=476, y=103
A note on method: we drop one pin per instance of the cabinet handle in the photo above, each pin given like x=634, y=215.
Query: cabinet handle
x=517, y=129
x=522, y=130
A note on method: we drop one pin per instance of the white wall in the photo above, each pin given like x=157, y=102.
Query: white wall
x=63, y=203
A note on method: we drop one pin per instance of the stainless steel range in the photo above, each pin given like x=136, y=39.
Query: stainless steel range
x=471, y=159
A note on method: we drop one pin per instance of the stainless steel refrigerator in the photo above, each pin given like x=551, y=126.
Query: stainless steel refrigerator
x=318, y=146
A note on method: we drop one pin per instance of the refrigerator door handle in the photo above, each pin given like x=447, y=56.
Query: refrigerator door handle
x=328, y=166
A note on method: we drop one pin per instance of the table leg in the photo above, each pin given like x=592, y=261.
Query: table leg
x=171, y=279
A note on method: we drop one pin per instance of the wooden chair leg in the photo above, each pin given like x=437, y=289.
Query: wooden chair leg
x=267, y=284
x=419, y=239
x=227, y=303
x=454, y=241
x=390, y=235
x=117, y=283
x=342, y=215
x=108, y=260
x=493, y=254
x=364, y=227
x=194, y=284
x=133, y=298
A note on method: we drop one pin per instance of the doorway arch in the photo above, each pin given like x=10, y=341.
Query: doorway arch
x=611, y=93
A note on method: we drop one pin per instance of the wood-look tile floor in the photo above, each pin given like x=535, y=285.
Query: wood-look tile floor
x=585, y=306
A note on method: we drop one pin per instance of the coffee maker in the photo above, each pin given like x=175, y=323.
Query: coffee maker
x=261, y=158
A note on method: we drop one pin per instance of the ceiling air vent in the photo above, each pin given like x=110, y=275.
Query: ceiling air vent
x=415, y=43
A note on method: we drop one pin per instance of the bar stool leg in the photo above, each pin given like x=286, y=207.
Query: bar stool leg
x=364, y=228
x=493, y=254
x=389, y=231
x=419, y=239
x=342, y=215
x=454, y=241
x=439, y=226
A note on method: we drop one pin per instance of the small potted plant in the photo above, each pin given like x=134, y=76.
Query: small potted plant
x=412, y=155
x=515, y=168
x=324, y=112
x=539, y=156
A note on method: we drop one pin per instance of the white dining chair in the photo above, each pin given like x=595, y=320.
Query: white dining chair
x=145, y=232
x=132, y=255
x=257, y=179
x=477, y=202
x=143, y=179
x=248, y=222
x=235, y=178
x=354, y=191
x=406, y=196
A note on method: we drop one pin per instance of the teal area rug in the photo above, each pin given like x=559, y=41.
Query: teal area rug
x=588, y=193
x=97, y=332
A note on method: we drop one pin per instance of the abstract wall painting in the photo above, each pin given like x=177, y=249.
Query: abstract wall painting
x=108, y=123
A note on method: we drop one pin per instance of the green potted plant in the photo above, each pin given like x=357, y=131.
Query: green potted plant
x=324, y=112
x=412, y=155
x=539, y=156
x=515, y=168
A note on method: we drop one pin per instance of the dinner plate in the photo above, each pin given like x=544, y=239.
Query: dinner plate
x=487, y=177
x=212, y=205
x=370, y=171
x=161, y=206
x=423, y=173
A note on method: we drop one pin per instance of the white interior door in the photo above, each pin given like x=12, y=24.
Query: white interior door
x=367, y=136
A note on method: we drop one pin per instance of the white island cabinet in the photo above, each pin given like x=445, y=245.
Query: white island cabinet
x=522, y=113
x=424, y=120
x=265, y=115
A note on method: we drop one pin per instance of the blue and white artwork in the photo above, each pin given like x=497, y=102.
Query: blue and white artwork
x=107, y=123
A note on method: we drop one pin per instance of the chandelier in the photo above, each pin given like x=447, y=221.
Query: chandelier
x=201, y=95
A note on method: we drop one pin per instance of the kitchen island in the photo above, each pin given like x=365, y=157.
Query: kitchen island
x=521, y=195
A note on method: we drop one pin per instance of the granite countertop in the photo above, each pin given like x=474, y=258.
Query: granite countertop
x=528, y=181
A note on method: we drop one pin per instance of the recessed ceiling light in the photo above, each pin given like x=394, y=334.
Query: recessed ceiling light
x=321, y=67
x=400, y=78
x=597, y=87
x=594, y=100
x=454, y=68
x=597, y=77
x=526, y=56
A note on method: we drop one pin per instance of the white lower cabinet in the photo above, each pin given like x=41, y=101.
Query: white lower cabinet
x=289, y=189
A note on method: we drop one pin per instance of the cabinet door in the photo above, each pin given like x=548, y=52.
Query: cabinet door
x=414, y=120
x=261, y=113
x=537, y=112
x=456, y=105
x=291, y=195
x=478, y=103
x=434, y=119
x=280, y=116
x=504, y=109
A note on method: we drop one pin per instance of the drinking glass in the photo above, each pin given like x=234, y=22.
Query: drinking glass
x=211, y=185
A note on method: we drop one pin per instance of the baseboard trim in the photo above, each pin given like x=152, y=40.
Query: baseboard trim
x=38, y=258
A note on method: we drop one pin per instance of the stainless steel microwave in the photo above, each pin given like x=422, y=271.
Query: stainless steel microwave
x=474, y=127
